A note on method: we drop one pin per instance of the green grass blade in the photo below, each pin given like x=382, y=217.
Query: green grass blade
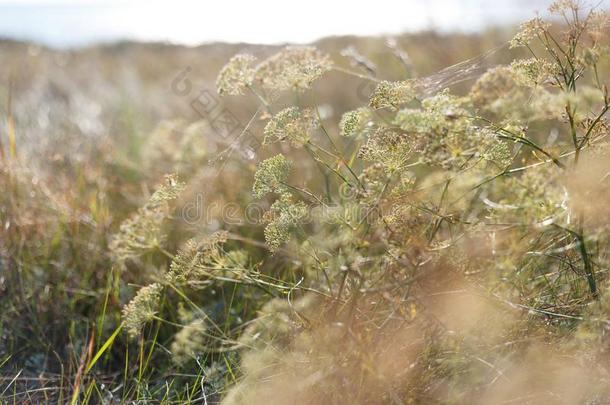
x=104, y=348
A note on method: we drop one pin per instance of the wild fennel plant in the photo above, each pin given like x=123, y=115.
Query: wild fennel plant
x=449, y=191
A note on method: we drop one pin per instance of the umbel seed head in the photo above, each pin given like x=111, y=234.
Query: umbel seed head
x=292, y=124
x=236, y=75
x=271, y=175
x=293, y=68
x=142, y=308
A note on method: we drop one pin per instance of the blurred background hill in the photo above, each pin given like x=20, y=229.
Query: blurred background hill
x=98, y=90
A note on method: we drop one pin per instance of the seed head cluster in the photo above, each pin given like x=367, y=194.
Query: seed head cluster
x=292, y=124
x=392, y=94
x=533, y=72
x=189, y=342
x=356, y=122
x=236, y=75
x=271, y=176
x=560, y=7
x=388, y=147
x=199, y=258
x=283, y=218
x=528, y=31
x=597, y=24
x=142, y=308
x=293, y=68
x=143, y=231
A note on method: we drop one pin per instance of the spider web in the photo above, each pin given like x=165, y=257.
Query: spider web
x=468, y=69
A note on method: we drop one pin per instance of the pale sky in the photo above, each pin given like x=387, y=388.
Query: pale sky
x=78, y=22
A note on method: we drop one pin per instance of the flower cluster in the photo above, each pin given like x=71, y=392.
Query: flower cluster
x=493, y=85
x=283, y=218
x=443, y=133
x=528, y=31
x=293, y=68
x=184, y=262
x=168, y=191
x=189, y=342
x=142, y=308
x=533, y=72
x=535, y=198
x=388, y=147
x=392, y=94
x=236, y=75
x=373, y=179
x=561, y=6
x=271, y=175
x=143, y=231
x=176, y=146
x=356, y=122
x=597, y=24
x=292, y=124
x=277, y=322
x=418, y=121
x=201, y=258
